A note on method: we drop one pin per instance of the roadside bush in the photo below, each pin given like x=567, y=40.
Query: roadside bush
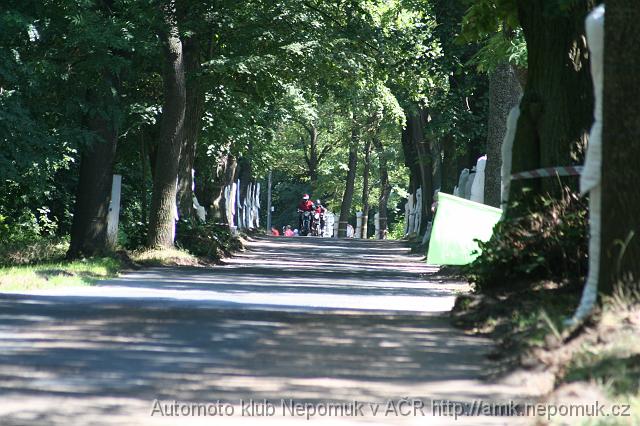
x=132, y=234
x=208, y=240
x=397, y=231
x=30, y=239
x=550, y=242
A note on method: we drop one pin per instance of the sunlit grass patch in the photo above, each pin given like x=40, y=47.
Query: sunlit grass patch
x=165, y=257
x=49, y=275
x=612, y=357
x=85, y=272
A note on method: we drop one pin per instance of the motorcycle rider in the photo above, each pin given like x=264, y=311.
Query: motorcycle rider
x=305, y=205
x=321, y=210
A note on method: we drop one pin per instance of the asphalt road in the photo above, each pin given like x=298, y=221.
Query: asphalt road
x=299, y=320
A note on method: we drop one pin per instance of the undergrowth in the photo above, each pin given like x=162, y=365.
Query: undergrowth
x=550, y=242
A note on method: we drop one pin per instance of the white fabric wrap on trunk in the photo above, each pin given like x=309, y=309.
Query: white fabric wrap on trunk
x=477, y=188
x=462, y=182
x=507, y=155
x=590, y=181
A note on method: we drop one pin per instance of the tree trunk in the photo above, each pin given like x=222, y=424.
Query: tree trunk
x=385, y=187
x=416, y=124
x=620, y=245
x=436, y=149
x=211, y=191
x=418, y=158
x=144, y=162
x=89, y=227
x=411, y=158
x=93, y=194
x=451, y=164
x=163, y=202
x=556, y=110
x=192, y=124
x=347, y=198
x=365, y=188
x=504, y=94
x=312, y=156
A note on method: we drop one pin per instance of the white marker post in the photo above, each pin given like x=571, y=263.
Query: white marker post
x=269, y=204
x=376, y=221
x=358, y=225
x=113, y=218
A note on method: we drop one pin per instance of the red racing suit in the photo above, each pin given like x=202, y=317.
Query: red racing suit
x=306, y=205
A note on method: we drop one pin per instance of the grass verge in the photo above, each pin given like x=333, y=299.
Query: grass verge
x=40, y=263
x=607, y=355
x=49, y=275
x=87, y=271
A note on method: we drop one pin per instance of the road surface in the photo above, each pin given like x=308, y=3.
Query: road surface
x=290, y=321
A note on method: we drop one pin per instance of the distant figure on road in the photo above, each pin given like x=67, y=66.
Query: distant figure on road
x=322, y=211
x=275, y=232
x=288, y=232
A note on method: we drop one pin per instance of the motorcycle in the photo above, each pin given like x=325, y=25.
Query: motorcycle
x=305, y=223
x=316, y=231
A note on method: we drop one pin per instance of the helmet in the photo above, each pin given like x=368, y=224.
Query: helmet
x=305, y=197
x=318, y=202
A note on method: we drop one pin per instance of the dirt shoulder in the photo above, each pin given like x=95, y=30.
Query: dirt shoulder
x=595, y=363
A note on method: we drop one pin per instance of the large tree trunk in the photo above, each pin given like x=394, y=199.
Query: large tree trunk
x=365, y=188
x=620, y=245
x=557, y=107
x=192, y=125
x=504, y=94
x=89, y=228
x=163, y=202
x=347, y=198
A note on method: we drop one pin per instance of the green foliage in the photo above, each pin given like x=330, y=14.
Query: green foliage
x=269, y=70
x=396, y=231
x=494, y=23
x=489, y=16
x=54, y=65
x=499, y=49
x=132, y=233
x=548, y=243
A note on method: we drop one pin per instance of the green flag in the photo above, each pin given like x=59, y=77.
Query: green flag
x=457, y=224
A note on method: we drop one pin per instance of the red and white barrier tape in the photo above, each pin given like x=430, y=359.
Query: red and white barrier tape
x=549, y=172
